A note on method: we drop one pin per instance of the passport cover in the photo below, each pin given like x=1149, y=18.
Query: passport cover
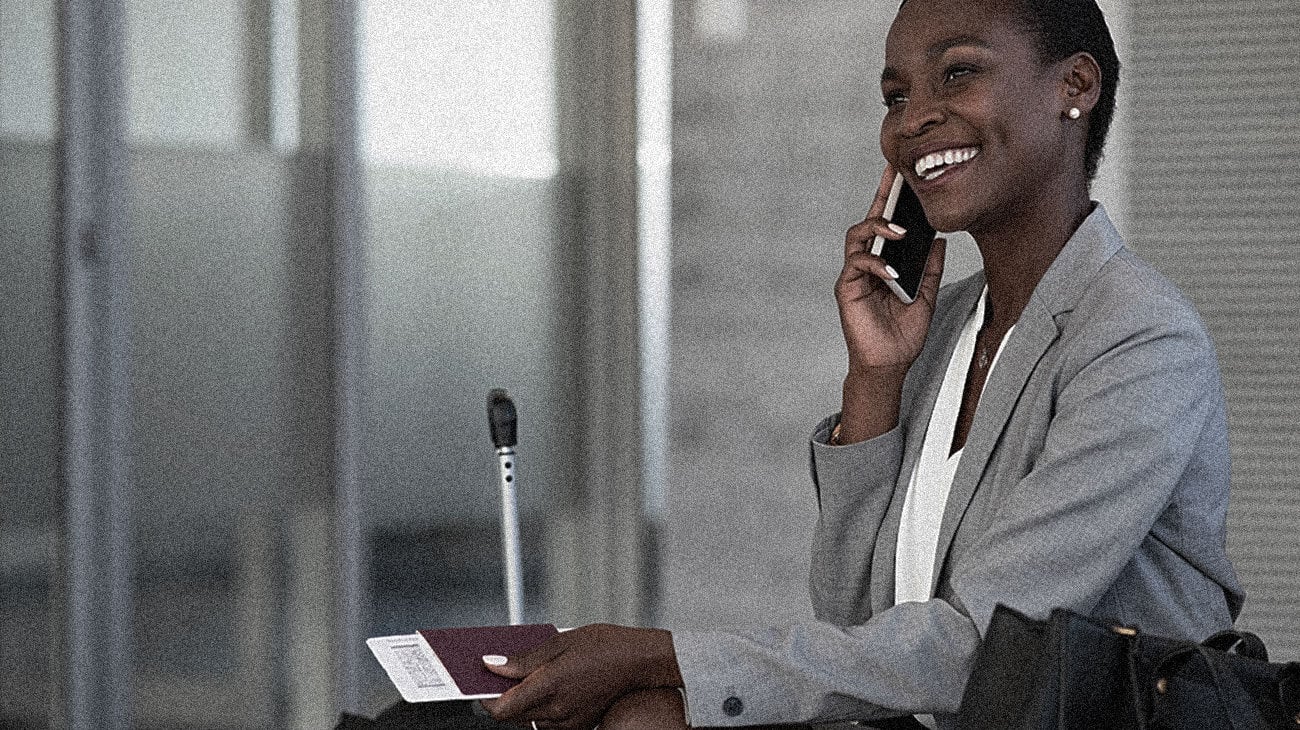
x=461, y=651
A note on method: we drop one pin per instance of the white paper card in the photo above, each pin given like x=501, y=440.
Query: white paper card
x=415, y=670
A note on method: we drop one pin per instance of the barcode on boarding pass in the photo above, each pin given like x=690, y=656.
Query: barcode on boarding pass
x=414, y=658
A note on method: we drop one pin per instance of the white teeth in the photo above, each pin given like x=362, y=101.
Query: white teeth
x=926, y=164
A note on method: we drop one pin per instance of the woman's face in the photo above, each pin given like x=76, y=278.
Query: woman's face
x=973, y=117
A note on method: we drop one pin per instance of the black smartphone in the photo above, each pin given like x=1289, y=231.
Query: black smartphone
x=907, y=256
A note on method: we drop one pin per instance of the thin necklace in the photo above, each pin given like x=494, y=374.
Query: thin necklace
x=981, y=347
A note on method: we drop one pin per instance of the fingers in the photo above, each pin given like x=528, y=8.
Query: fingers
x=525, y=699
x=863, y=275
x=571, y=680
x=539, y=698
x=861, y=237
x=533, y=690
x=498, y=664
x=517, y=667
x=865, y=263
x=874, y=224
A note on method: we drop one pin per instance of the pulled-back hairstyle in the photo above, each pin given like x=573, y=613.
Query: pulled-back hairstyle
x=1066, y=27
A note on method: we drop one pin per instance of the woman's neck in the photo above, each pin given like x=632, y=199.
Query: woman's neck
x=1018, y=252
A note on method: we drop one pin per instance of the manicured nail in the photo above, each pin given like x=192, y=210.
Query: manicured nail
x=890, y=270
x=897, y=228
x=495, y=660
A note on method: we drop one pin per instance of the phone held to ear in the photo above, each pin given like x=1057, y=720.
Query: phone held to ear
x=908, y=255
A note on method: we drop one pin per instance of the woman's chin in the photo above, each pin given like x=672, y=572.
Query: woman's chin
x=946, y=222
x=945, y=213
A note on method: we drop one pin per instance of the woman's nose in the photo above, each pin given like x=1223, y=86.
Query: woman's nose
x=922, y=112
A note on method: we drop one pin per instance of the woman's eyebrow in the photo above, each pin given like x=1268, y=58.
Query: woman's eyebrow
x=938, y=49
x=960, y=40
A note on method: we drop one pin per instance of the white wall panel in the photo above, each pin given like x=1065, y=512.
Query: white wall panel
x=1216, y=192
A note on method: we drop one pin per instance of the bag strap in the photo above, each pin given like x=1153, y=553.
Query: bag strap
x=1234, y=701
x=1141, y=709
x=1288, y=690
x=1242, y=643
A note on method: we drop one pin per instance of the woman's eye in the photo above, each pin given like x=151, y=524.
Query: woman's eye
x=957, y=72
x=893, y=98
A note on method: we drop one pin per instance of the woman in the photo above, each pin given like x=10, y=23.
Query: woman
x=1048, y=432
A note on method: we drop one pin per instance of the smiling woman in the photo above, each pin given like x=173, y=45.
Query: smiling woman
x=1048, y=432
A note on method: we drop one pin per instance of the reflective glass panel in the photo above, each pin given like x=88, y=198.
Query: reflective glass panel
x=466, y=290
x=218, y=442
x=29, y=358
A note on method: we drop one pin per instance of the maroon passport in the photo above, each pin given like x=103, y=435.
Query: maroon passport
x=461, y=651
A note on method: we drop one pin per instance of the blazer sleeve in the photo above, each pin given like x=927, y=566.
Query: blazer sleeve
x=1130, y=404
x=854, y=485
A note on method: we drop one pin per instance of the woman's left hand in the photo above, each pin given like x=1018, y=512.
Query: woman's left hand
x=572, y=679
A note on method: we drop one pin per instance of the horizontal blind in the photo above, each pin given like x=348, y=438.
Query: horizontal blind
x=1215, y=173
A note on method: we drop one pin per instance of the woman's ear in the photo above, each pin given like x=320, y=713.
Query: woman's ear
x=1081, y=83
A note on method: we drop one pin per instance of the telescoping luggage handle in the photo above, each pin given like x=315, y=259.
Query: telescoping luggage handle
x=503, y=425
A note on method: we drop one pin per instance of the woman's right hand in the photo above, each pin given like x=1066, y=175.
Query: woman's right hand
x=879, y=329
x=884, y=335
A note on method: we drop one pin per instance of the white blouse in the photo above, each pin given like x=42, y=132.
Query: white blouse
x=931, y=479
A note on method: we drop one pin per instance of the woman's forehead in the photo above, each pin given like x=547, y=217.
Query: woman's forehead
x=930, y=27
x=933, y=7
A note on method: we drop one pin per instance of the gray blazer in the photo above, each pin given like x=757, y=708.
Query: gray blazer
x=1095, y=477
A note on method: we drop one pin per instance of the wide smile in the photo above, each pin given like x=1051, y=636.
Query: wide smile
x=936, y=164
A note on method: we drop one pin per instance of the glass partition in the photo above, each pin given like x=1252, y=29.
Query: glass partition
x=29, y=358
x=471, y=285
x=466, y=292
x=217, y=450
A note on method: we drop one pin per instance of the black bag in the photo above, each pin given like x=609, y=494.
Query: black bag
x=455, y=715
x=1072, y=672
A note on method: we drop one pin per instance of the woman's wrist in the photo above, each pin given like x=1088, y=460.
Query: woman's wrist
x=665, y=671
x=870, y=404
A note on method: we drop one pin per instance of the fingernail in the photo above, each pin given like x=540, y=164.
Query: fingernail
x=890, y=270
x=495, y=660
x=897, y=228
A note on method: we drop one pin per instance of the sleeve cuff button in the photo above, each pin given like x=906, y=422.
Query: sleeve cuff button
x=732, y=707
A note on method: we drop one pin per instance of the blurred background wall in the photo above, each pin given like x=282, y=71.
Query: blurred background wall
x=514, y=200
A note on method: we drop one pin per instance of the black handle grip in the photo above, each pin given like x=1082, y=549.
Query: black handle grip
x=1238, y=642
x=501, y=418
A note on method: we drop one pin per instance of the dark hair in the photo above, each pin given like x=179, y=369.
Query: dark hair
x=1066, y=27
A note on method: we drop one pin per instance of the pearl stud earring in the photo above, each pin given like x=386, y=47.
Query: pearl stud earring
x=1074, y=112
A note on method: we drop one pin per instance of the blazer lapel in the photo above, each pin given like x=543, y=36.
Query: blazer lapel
x=1092, y=245
x=1035, y=332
